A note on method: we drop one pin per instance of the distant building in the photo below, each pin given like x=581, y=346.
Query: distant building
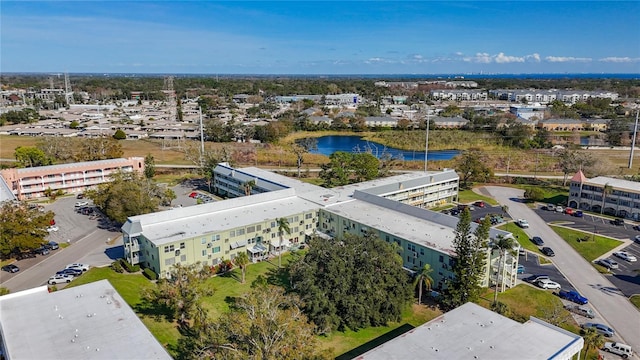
x=459, y=95
x=561, y=124
x=528, y=111
x=455, y=122
x=87, y=322
x=473, y=332
x=30, y=183
x=622, y=197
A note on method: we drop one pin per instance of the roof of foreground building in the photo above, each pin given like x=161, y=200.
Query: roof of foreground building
x=90, y=321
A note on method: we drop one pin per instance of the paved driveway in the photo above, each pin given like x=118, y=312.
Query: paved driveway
x=605, y=298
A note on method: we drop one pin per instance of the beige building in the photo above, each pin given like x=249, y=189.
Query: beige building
x=621, y=198
x=31, y=183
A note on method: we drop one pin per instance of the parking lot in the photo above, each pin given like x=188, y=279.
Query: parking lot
x=627, y=276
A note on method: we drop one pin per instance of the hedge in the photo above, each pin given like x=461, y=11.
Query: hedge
x=150, y=274
x=117, y=267
x=130, y=268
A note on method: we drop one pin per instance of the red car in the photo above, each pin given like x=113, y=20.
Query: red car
x=568, y=211
x=193, y=194
x=479, y=204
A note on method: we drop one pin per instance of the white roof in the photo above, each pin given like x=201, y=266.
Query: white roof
x=91, y=321
x=616, y=183
x=473, y=332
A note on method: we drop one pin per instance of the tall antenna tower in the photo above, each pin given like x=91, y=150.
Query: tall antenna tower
x=68, y=93
x=171, y=97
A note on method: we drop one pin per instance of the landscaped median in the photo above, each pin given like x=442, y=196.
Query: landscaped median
x=588, y=245
x=521, y=236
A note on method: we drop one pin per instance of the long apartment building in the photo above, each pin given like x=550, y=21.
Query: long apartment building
x=394, y=209
x=31, y=183
x=605, y=195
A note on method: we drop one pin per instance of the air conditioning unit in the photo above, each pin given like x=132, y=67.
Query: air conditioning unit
x=177, y=252
x=209, y=257
x=209, y=245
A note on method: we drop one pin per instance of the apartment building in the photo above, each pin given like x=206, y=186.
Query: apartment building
x=393, y=209
x=459, y=95
x=31, y=183
x=605, y=195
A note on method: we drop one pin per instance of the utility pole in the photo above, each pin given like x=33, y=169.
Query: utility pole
x=426, y=145
x=201, y=138
x=633, y=142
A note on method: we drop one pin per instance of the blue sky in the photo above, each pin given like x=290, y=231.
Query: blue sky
x=306, y=37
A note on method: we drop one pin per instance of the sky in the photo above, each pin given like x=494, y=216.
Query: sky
x=311, y=37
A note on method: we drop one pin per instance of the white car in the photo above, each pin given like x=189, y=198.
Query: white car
x=52, y=228
x=548, y=284
x=81, y=203
x=59, y=279
x=83, y=267
x=522, y=223
x=609, y=263
x=625, y=256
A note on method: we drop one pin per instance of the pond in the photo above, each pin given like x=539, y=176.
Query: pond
x=327, y=145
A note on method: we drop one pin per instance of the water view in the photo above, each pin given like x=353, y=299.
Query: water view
x=327, y=145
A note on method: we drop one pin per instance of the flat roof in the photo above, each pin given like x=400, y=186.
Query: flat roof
x=90, y=321
x=616, y=183
x=473, y=332
x=71, y=166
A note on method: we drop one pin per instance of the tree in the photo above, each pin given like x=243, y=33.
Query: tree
x=23, y=228
x=283, y=227
x=592, y=340
x=503, y=245
x=351, y=282
x=534, y=194
x=248, y=187
x=119, y=135
x=302, y=147
x=242, y=260
x=181, y=292
x=74, y=124
x=618, y=132
x=345, y=168
x=469, y=261
x=472, y=167
x=570, y=161
x=29, y=156
x=606, y=191
x=149, y=166
x=424, y=277
x=167, y=197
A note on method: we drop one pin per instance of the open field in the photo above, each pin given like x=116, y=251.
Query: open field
x=468, y=196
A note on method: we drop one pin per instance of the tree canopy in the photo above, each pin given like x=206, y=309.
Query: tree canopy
x=29, y=156
x=347, y=168
x=471, y=167
x=23, y=228
x=351, y=282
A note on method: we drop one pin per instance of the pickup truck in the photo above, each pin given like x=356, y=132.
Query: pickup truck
x=522, y=223
x=573, y=296
x=581, y=310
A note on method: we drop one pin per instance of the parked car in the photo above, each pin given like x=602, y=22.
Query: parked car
x=537, y=240
x=617, y=348
x=479, y=204
x=83, y=267
x=41, y=251
x=637, y=239
x=551, y=207
x=11, y=268
x=581, y=310
x=59, y=279
x=52, y=245
x=578, y=213
x=568, y=211
x=25, y=255
x=548, y=251
x=193, y=194
x=548, y=284
x=522, y=223
x=608, y=263
x=559, y=209
x=573, y=296
x=521, y=269
x=625, y=256
x=72, y=272
x=80, y=196
x=536, y=278
x=53, y=228
x=81, y=203
x=617, y=222
x=602, y=329
x=636, y=227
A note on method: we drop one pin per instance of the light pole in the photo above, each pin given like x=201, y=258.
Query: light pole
x=426, y=145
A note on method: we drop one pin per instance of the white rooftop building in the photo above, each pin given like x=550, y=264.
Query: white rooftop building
x=91, y=321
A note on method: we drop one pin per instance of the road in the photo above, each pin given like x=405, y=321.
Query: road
x=605, y=298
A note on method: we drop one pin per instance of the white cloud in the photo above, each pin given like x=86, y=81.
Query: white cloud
x=555, y=59
x=482, y=58
x=505, y=59
x=614, y=59
x=535, y=57
x=500, y=58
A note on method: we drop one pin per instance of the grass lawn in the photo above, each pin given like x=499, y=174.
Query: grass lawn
x=590, y=250
x=467, y=196
x=553, y=194
x=635, y=300
x=521, y=236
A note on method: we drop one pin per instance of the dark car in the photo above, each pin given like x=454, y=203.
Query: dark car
x=574, y=296
x=537, y=240
x=80, y=196
x=536, y=278
x=548, y=251
x=11, y=268
x=72, y=272
x=25, y=255
x=636, y=227
x=41, y=251
x=578, y=213
x=51, y=245
x=617, y=222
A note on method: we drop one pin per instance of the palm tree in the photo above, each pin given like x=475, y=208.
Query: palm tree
x=592, y=340
x=248, y=186
x=503, y=245
x=242, y=260
x=283, y=226
x=424, y=276
x=606, y=190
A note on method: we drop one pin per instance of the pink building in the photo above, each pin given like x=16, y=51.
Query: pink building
x=30, y=183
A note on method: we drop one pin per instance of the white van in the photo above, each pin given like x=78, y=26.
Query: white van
x=618, y=348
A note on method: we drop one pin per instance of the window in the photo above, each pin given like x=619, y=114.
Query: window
x=421, y=252
x=169, y=248
x=273, y=224
x=203, y=241
x=182, y=246
x=183, y=258
x=273, y=235
x=308, y=216
x=215, y=250
x=258, y=227
x=441, y=258
x=232, y=233
x=204, y=252
x=216, y=237
x=251, y=229
x=240, y=232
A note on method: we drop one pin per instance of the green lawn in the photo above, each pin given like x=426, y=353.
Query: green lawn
x=590, y=250
x=553, y=194
x=521, y=236
x=468, y=196
x=635, y=300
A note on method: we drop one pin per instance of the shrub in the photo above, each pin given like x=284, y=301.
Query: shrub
x=150, y=274
x=130, y=268
x=117, y=267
